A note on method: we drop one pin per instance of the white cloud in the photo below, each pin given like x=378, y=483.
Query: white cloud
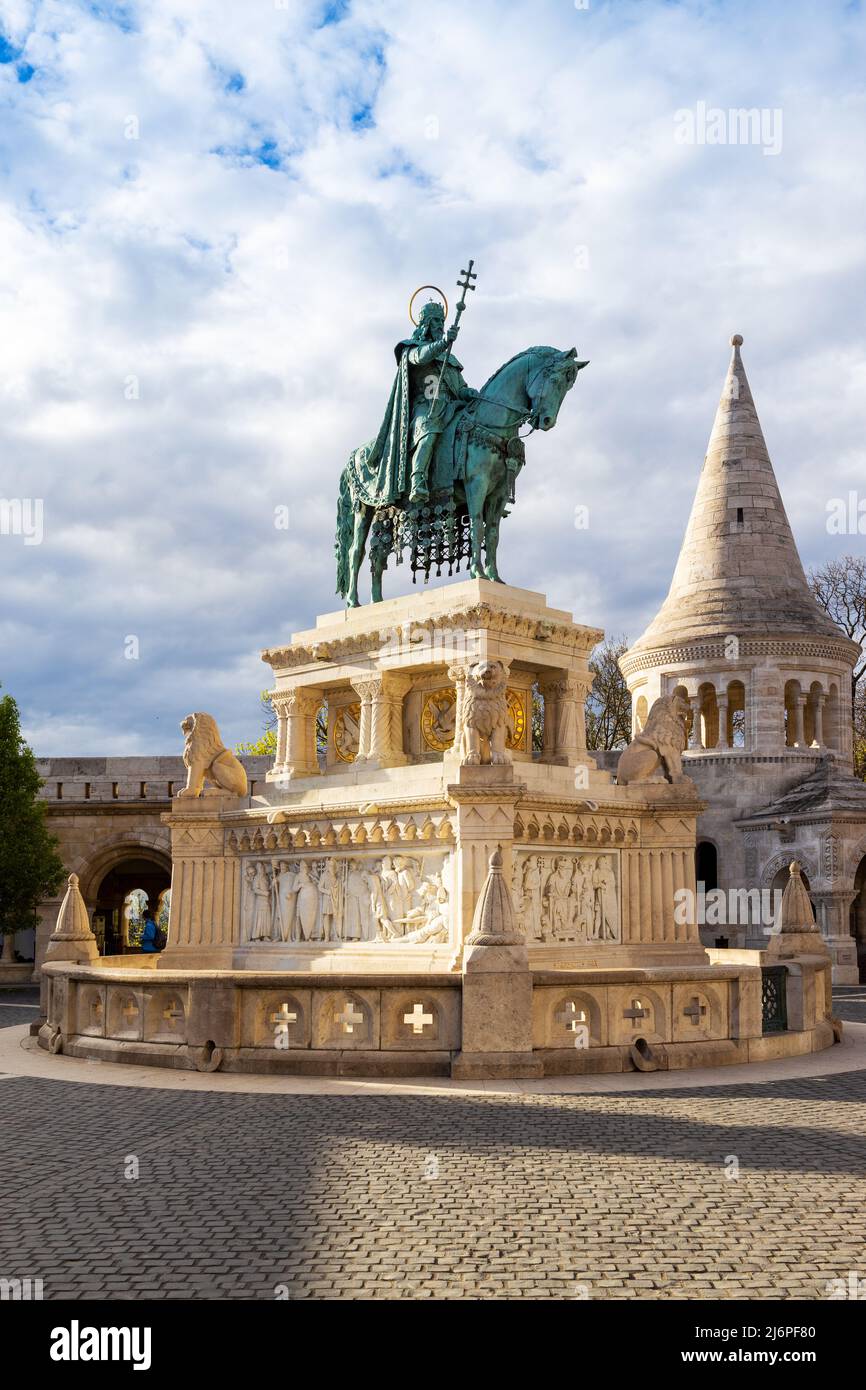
x=257, y=306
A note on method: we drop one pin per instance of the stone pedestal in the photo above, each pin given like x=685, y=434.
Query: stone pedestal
x=497, y=988
x=497, y=1015
x=204, y=923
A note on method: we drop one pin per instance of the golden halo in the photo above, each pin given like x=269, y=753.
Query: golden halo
x=415, y=296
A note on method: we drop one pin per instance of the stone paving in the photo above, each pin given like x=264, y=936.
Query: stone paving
x=18, y=1006
x=609, y=1196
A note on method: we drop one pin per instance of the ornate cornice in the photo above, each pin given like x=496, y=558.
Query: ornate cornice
x=704, y=651
x=478, y=615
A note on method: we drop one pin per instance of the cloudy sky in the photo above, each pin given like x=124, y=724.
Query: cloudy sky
x=212, y=215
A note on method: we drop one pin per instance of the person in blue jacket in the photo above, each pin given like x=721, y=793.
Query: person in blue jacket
x=149, y=934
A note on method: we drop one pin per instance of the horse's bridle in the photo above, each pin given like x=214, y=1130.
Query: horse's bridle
x=522, y=415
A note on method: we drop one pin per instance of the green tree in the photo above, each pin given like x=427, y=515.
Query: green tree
x=30, y=867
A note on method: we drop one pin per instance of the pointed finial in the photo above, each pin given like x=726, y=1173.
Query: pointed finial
x=737, y=340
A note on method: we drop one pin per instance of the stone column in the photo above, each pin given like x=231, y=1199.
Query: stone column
x=818, y=719
x=364, y=691
x=798, y=710
x=723, y=739
x=564, y=719
x=548, y=690
x=282, y=735
x=695, y=734
x=204, y=922
x=380, y=741
x=296, y=711
x=833, y=911
x=457, y=673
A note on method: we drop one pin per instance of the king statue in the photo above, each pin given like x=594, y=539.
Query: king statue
x=435, y=385
x=439, y=476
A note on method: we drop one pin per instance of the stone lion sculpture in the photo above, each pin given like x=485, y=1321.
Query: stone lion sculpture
x=208, y=760
x=659, y=744
x=484, y=723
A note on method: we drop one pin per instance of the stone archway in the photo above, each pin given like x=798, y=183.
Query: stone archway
x=109, y=877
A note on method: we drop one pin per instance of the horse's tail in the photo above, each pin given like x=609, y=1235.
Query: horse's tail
x=345, y=531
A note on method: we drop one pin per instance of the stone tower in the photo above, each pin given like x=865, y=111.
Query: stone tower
x=767, y=674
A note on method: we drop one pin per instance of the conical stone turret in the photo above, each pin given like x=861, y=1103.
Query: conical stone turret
x=72, y=938
x=738, y=569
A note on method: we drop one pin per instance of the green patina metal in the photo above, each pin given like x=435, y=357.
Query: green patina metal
x=440, y=474
x=774, y=1001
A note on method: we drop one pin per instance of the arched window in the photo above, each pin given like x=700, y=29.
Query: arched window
x=736, y=714
x=163, y=908
x=709, y=715
x=684, y=695
x=793, y=715
x=707, y=865
x=134, y=908
x=640, y=714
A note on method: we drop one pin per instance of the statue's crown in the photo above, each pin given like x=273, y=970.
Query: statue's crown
x=429, y=309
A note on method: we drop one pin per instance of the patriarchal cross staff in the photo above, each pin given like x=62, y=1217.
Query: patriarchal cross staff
x=465, y=284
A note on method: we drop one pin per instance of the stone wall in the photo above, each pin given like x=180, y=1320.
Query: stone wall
x=105, y=810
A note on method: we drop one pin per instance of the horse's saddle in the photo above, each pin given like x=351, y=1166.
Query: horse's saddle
x=452, y=451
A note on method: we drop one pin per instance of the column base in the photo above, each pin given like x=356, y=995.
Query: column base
x=496, y=1066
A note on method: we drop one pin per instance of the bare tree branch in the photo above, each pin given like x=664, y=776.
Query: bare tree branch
x=608, y=707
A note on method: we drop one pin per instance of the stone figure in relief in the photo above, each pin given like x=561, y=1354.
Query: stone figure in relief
x=206, y=759
x=484, y=716
x=378, y=905
x=329, y=892
x=432, y=914
x=407, y=881
x=518, y=901
x=660, y=744
x=356, y=926
x=532, y=898
x=262, y=916
x=308, y=905
x=583, y=896
x=285, y=883
x=249, y=901
x=395, y=898
x=604, y=927
x=558, y=893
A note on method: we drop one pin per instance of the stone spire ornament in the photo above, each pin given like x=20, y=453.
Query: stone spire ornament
x=493, y=922
x=798, y=931
x=796, y=914
x=738, y=569
x=72, y=938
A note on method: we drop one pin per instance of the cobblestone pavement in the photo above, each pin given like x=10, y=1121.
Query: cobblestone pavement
x=18, y=1006
x=849, y=1003
x=447, y=1196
